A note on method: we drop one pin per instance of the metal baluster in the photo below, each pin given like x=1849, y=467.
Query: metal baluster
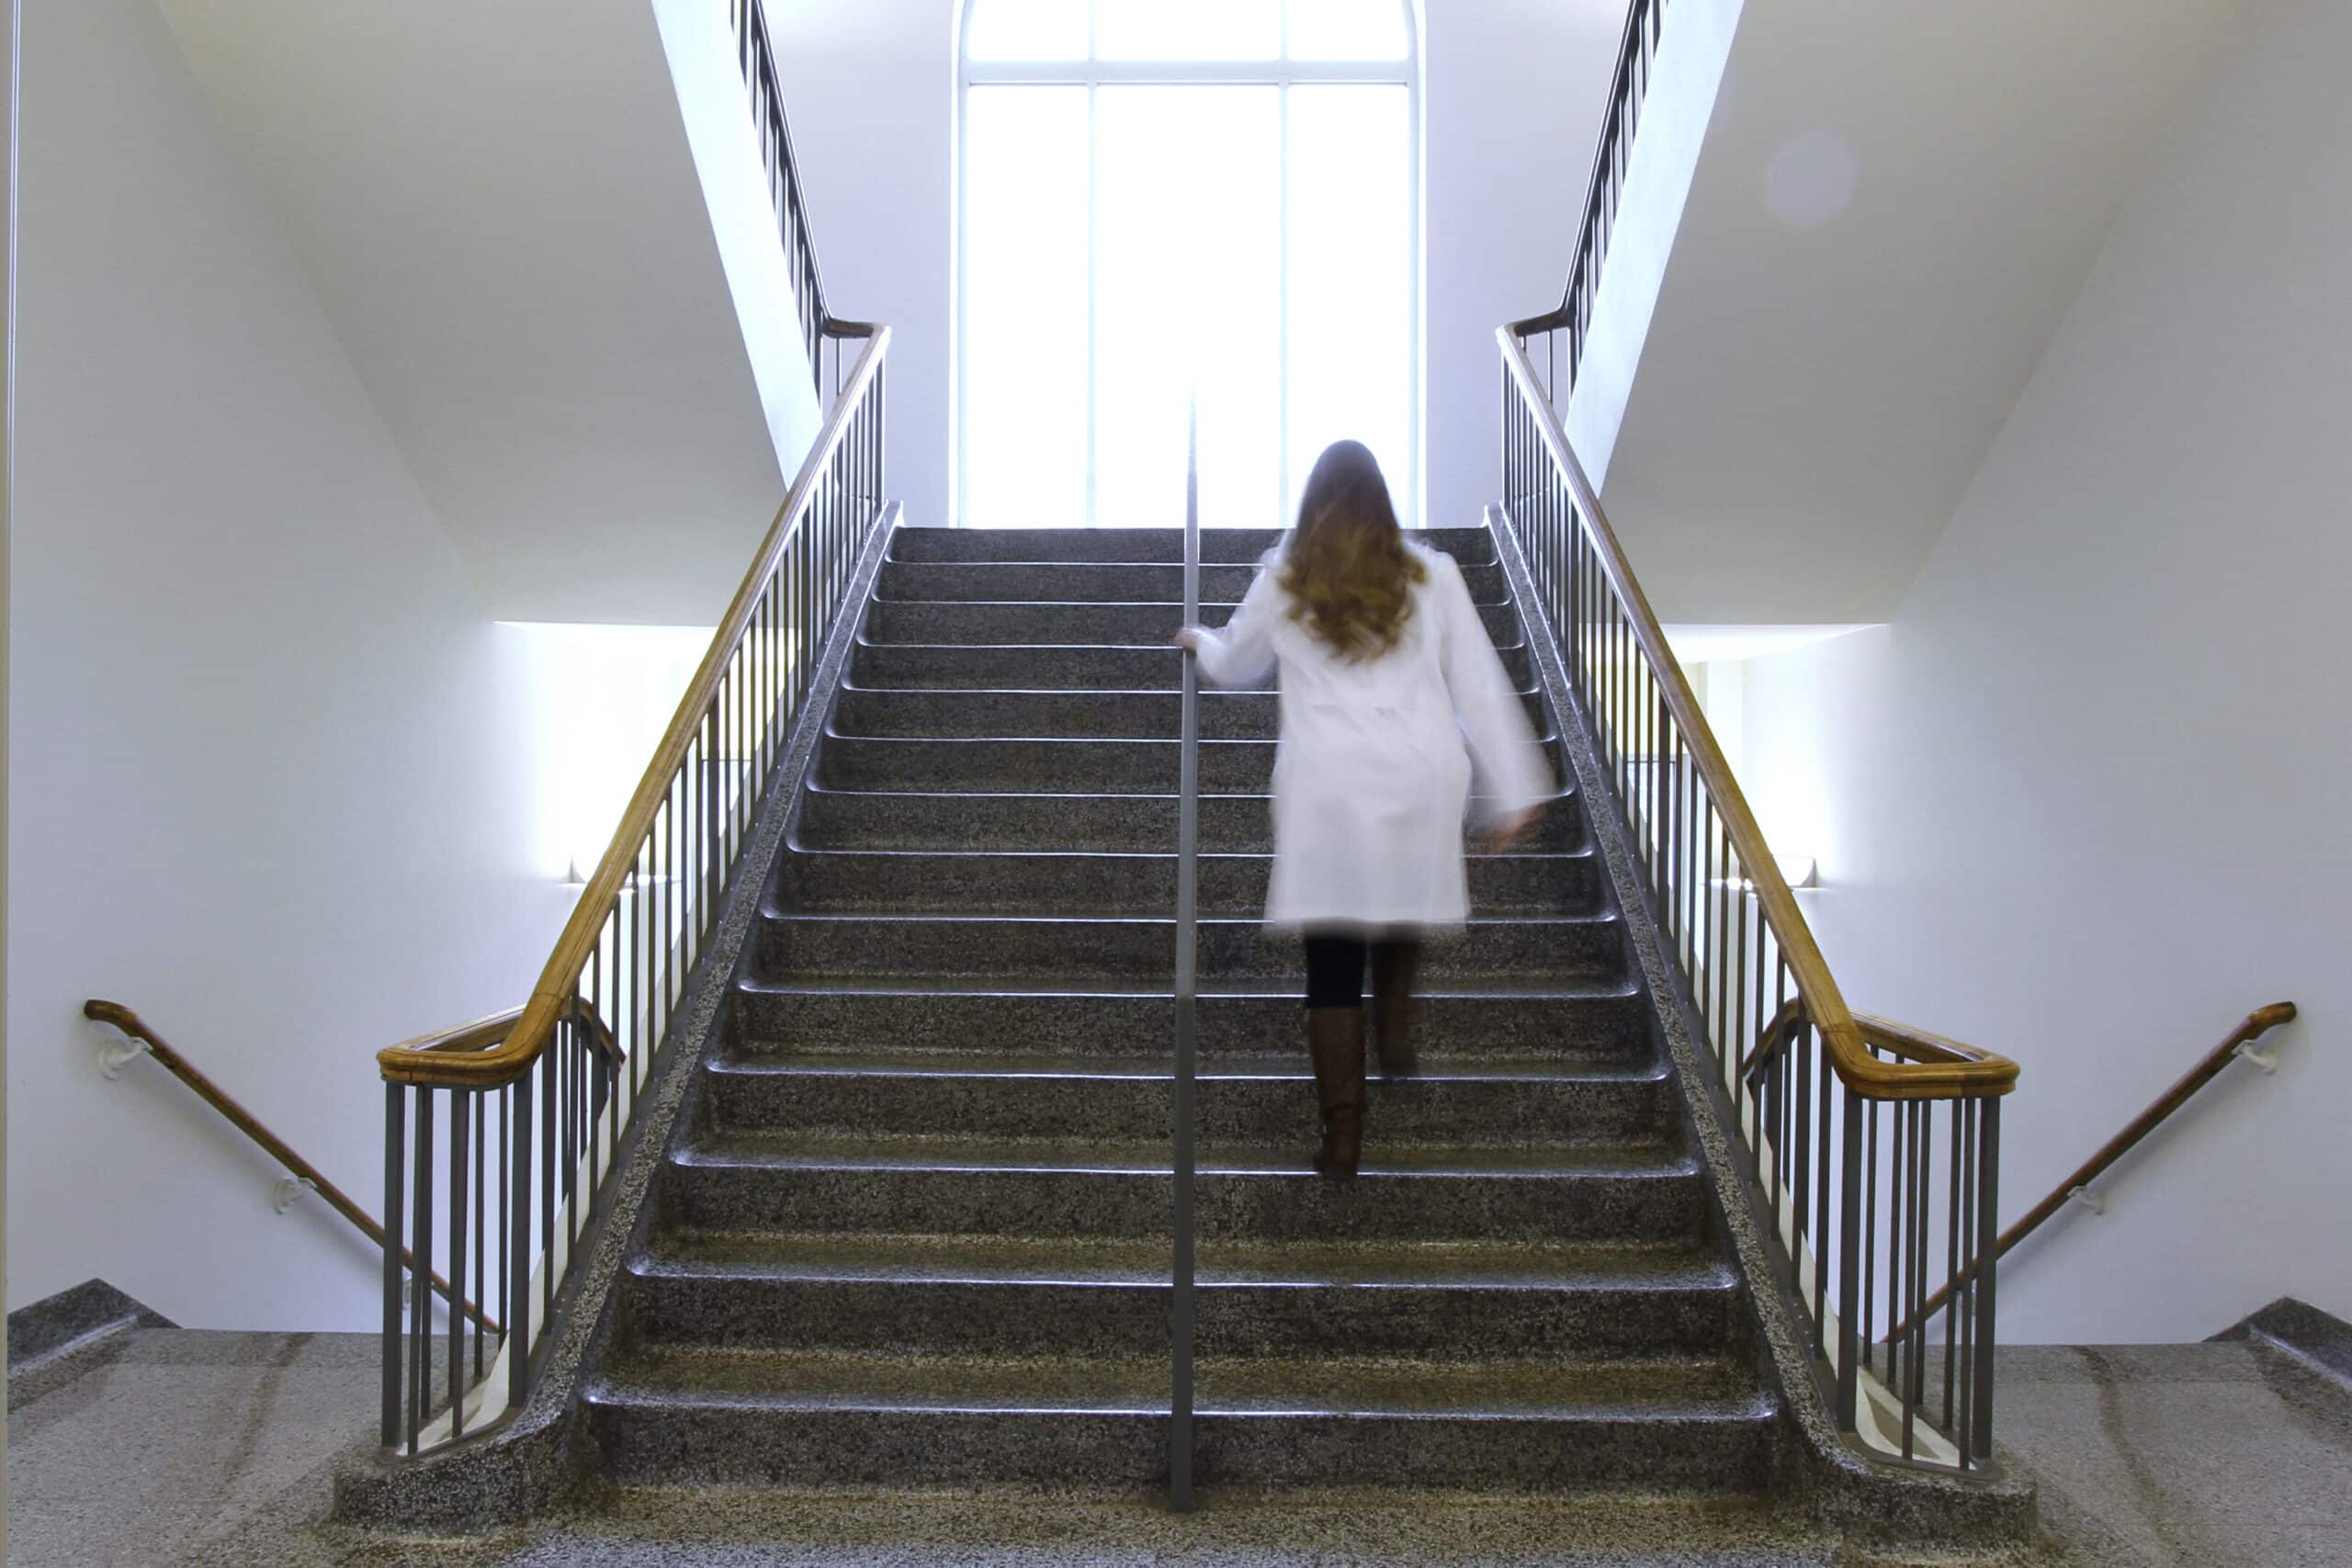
x=550, y=1112
x=460, y=1114
x=1852, y=1290
x=480, y=1295
x=519, y=1260
x=1988, y=1220
x=395, y=1228
x=1953, y=1221
x=420, y=1289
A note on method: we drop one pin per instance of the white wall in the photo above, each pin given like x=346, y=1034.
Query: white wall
x=1512, y=94
x=510, y=223
x=2083, y=801
x=1892, y=206
x=264, y=789
x=870, y=89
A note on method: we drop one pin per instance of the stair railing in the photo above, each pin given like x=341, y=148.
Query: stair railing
x=1188, y=810
x=1564, y=330
x=1837, y=1115
x=301, y=1174
x=2077, y=1187
x=824, y=334
x=518, y=1121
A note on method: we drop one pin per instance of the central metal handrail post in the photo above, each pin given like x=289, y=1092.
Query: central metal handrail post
x=1180, y=1311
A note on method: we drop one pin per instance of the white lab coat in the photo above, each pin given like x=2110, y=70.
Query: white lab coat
x=1372, y=778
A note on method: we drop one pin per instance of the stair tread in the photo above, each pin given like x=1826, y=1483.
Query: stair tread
x=1286, y=1067
x=872, y=917
x=968, y=797
x=1088, y=1261
x=739, y=1149
x=1711, y=1389
x=1260, y=856
x=1207, y=694
x=1246, y=990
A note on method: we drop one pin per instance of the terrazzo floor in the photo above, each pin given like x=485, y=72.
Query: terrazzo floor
x=213, y=1449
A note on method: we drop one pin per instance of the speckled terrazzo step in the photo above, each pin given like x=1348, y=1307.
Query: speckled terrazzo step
x=1086, y=716
x=1265, y=1101
x=885, y=818
x=914, y=1228
x=1028, y=623
x=1019, y=1296
x=1102, y=582
x=1218, y=545
x=739, y=1181
x=1600, y=1022
x=843, y=881
x=935, y=666
x=739, y=1418
x=1068, y=766
x=1023, y=952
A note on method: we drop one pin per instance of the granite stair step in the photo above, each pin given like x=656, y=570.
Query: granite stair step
x=992, y=766
x=1500, y=1030
x=1089, y=716
x=1004, y=667
x=892, y=1294
x=907, y=882
x=1246, y=1102
x=780, y=1418
x=1015, y=950
x=944, y=1186
x=1236, y=823
x=1143, y=625
x=1082, y=582
x=1242, y=546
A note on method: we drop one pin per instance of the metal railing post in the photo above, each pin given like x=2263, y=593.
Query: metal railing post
x=1179, y=1314
x=1988, y=1220
x=395, y=1222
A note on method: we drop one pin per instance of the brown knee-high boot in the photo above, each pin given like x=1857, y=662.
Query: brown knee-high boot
x=1335, y=1044
x=1395, y=966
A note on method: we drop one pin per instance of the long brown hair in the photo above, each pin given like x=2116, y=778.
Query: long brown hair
x=1347, y=571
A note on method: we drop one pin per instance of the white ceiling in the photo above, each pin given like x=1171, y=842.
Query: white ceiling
x=498, y=205
x=1894, y=204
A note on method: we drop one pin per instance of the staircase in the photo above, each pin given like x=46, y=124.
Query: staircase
x=913, y=1227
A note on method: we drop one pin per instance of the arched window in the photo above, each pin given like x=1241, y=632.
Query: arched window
x=1159, y=195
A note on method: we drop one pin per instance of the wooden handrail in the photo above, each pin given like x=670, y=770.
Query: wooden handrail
x=1916, y=1046
x=557, y=992
x=2256, y=1024
x=1841, y=1035
x=120, y=1017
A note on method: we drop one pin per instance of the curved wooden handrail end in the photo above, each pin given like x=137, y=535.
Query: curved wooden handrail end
x=1933, y=1067
x=114, y=1013
x=2263, y=1019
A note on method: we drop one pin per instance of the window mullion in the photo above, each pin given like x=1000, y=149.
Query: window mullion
x=1093, y=293
x=1281, y=303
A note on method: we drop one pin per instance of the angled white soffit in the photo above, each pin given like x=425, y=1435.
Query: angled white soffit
x=500, y=208
x=1892, y=209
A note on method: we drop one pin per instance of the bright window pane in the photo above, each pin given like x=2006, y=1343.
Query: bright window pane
x=1350, y=279
x=1347, y=29
x=1188, y=257
x=1024, y=406
x=1189, y=29
x=1026, y=30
